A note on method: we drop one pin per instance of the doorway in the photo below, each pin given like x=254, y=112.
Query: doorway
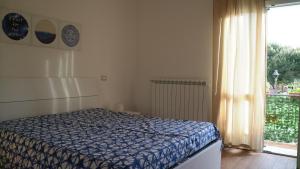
x=283, y=80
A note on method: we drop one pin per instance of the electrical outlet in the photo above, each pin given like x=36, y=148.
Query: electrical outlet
x=103, y=78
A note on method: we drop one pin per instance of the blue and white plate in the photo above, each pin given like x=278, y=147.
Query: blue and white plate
x=70, y=35
x=15, y=26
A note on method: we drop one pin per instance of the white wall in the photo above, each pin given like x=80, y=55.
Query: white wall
x=108, y=46
x=131, y=41
x=174, y=40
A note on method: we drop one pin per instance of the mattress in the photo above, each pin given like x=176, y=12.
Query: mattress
x=97, y=138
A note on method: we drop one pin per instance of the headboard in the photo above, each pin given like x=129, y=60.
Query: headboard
x=23, y=97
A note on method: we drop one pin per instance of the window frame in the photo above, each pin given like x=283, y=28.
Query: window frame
x=280, y=3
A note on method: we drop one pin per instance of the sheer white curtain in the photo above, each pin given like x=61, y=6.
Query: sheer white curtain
x=239, y=71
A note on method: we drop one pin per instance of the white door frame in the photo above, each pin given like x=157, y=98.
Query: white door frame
x=279, y=3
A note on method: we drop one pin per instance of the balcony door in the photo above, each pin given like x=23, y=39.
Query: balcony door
x=282, y=78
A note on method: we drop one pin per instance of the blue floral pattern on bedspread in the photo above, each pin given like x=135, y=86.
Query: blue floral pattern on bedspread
x=97, y=138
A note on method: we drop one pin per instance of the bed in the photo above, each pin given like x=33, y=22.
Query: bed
x=98, y=138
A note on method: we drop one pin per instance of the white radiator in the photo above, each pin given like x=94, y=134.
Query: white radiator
x=179, y=99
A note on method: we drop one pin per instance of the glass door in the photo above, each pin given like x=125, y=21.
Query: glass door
x=283, y=80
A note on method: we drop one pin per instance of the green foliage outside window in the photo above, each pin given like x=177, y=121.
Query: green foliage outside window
x=284, y=59
x=282, y=117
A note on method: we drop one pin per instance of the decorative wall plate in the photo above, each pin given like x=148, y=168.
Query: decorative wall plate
x=70, y=36
x=15, y=26
x=44, y=32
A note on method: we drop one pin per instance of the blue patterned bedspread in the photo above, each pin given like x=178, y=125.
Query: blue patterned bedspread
x=97, y=138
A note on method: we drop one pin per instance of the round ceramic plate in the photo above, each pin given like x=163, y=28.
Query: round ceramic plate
x=45, y=31
x=15, y=26
x=70, y=35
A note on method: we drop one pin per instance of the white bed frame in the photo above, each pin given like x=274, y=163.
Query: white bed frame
x=24, y=97
x=208, y=158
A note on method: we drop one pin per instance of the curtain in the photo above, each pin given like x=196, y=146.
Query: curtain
x=239, y=71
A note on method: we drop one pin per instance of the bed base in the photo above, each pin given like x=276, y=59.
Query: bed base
x=208, y=158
